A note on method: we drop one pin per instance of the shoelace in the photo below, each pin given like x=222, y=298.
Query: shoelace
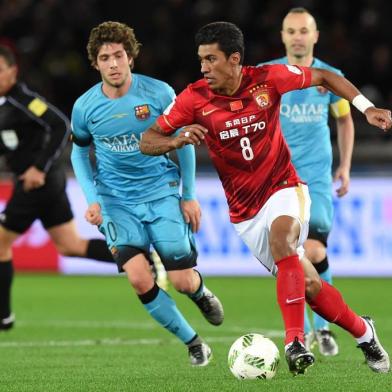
x=296, y=346
x=196, y=351
x=371, y=350
x=205, y=304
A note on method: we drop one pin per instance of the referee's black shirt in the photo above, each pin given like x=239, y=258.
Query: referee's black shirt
x=32, y=131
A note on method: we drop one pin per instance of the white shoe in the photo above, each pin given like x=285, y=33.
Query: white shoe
x=376, y=357
x=327, y=343
x=200, y=355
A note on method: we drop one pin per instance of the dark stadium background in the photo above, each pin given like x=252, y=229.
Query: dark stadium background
x=49, y=37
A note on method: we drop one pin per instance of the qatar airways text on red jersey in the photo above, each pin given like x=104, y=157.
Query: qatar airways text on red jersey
x=244, y=138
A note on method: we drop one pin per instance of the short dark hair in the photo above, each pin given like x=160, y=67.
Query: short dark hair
x=227, y=35
x=8, y=55
x=112, y=32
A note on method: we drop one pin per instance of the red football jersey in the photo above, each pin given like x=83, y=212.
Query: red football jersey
x=244, y=138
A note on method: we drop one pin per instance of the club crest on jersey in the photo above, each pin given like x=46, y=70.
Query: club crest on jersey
x=262, y=98
x=142, y=112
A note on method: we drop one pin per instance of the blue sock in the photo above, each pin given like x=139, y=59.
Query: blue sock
x=199, y=292
x=307, y=326
x=318, y=321
x=164, y=310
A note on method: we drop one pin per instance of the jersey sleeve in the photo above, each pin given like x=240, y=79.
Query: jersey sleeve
x=80, y=157
x=80, y=134
x=178, y=114
x=186, y=155
x=289, y=77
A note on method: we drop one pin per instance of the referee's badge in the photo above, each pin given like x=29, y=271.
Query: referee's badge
x=10, y=139
x=142, y=112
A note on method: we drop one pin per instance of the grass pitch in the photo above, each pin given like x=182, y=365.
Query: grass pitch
x=92, y=334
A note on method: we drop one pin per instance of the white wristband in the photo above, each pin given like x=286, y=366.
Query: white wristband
x=362, y=103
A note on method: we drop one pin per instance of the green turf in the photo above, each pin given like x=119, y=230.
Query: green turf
x=92, y=334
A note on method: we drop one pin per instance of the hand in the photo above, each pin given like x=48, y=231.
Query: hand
x=190, y=134
x=32, y=178
x=342, y=174
x=93, y=214
x=380, y=118
x=192, y=213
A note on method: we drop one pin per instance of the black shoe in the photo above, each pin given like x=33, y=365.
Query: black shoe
x=211, y=307
x=200, y=355
x=7, y=323
x=376, y=357
x=298, y=358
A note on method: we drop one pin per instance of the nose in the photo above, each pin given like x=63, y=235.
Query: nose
x=113, y=63
x=204, y=68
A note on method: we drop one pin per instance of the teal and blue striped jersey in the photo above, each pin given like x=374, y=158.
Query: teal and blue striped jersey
x=114, y=127
x=304, y=121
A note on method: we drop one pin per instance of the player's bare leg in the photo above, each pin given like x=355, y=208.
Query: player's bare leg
x=68, y=242
x=190, y=282
x=164, y=310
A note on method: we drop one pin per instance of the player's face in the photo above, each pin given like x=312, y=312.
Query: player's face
x=217, y=69
x=7, y=76
x=299, y=35
x=113, y=64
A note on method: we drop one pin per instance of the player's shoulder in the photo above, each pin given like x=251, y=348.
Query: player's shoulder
x=280, y=60
x=317, y=63
x=151, y=85
x=23, y=94
x=89, y=97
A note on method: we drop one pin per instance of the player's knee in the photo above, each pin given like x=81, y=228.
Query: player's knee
x=282, y=245
x=141, y=285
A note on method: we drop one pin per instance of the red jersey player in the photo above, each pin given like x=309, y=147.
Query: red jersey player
x=235, y=110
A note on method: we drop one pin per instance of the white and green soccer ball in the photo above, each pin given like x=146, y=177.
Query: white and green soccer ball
x=253, y=356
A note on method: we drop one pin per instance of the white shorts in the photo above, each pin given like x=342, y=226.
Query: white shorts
x=294, y=202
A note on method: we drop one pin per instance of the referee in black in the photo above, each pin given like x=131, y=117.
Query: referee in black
x=33, y=134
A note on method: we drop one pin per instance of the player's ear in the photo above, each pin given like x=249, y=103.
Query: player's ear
x=316, y=36
x=235, y=58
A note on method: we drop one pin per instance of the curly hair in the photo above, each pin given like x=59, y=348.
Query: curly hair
x=112, y=32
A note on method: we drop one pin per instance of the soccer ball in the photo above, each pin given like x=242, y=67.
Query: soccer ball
x=253, y=356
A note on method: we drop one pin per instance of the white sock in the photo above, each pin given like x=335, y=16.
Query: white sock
x=367, y=336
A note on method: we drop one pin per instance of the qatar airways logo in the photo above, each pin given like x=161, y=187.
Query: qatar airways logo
x=123, y=143
x=303, y=112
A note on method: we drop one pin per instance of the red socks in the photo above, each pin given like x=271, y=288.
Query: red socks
x=291, y=296
x=329, y=304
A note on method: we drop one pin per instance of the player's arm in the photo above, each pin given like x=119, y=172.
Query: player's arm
x=342, y=87
x=345, y=135
x=81, y=163
x=157, y=142
x=189, y=205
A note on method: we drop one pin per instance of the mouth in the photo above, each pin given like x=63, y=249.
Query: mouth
x=209, y=80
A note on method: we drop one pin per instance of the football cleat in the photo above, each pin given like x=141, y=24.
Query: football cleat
x=158, y=271
x=326, y=342
x=200, y=354
x=309, y=340
x=376, y=357
x=211, y=307
x=7, y=323
x=298, y=358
